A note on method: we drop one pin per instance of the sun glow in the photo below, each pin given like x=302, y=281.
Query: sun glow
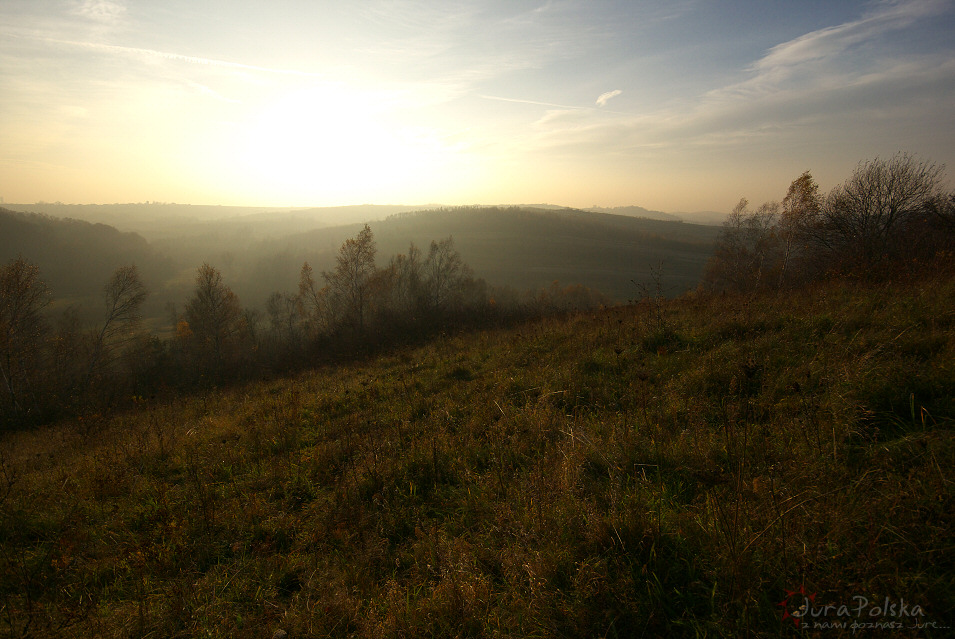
x=334, y=144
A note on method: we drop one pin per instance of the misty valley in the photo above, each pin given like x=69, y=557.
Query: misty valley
x=258, y=254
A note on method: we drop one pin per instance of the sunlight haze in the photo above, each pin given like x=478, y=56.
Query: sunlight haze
x=676, y=106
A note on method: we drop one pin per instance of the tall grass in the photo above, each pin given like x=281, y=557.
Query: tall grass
x=596, y=475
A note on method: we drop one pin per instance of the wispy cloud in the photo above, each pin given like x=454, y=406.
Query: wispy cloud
x=809, y=81
x=566, y=107
x=105, y=11
x=605, y=97
x=820, y=53
x=178, y=57
x=691, y=92
x=474, y=44
x=535, y=102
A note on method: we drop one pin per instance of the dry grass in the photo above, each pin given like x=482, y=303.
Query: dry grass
x=598, y=475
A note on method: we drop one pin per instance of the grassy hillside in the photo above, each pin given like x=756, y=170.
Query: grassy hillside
x=674, y=469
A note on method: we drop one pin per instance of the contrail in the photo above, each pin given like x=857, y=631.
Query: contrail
x=178, y=57
x=551, y=104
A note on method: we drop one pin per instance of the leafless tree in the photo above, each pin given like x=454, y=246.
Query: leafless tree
x=862, y=220
x=283, y=312
x=23, y=296
x=445, y=273
x=213, y=315
x=314, y=304
x=350, y=282
x=124, y=295
x=800, y=214
x=943, y=207
x=408, y=281
x=747, y=249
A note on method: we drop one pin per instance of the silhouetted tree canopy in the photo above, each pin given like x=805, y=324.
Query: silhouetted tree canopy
x=349, y=282
x=213, y=316
x=888, y=216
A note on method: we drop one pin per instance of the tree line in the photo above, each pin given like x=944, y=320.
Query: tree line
x=54, y=365
x=889, y=217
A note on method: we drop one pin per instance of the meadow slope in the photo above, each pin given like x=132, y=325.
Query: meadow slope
x=676, y=467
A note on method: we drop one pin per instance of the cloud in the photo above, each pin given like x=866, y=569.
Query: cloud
x=178, y=57
x=105, y=11
x=809, y=52
x=475, y=44
x=563, y=107
x=563, y=118
x=605, y=97
x=535, y=102
x=844, y=81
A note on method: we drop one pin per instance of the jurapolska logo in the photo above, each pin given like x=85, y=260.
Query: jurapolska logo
x=804, y=600
x=802, y=609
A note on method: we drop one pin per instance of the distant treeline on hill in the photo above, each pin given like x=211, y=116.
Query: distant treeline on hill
x=59, y=365
x=77, y=256
x=530, y=248
x=526, y=249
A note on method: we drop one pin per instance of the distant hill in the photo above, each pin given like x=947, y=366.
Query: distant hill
x=76, y=258
x=713, y=218
x=261, y=252
x=530, y=248
x=161, y=220
x=635, y=211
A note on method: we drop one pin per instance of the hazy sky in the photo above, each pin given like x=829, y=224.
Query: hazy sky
x=680, y=105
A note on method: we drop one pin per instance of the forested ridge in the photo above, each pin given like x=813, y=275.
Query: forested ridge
x=59, y=363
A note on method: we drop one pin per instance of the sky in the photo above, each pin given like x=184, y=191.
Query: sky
x=684, y=105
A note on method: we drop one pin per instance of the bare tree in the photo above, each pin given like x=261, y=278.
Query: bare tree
x=23, y=296
x=444, y=272
x=124, y=295
x=862, y=220
x=943, y=207
x=747, y=249
x=251, y=318
x=213, y=315
x=314, y=304
x=408, y=281
x=351, y=279
x=283, y=312
x=931, y=232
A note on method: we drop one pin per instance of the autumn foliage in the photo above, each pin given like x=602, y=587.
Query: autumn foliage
x=890, y=217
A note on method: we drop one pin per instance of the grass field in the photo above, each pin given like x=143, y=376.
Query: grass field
x=676, y=468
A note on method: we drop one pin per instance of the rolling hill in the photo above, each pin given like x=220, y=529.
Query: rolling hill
x=530, y=248
x=77, y=257
x=262, y=252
